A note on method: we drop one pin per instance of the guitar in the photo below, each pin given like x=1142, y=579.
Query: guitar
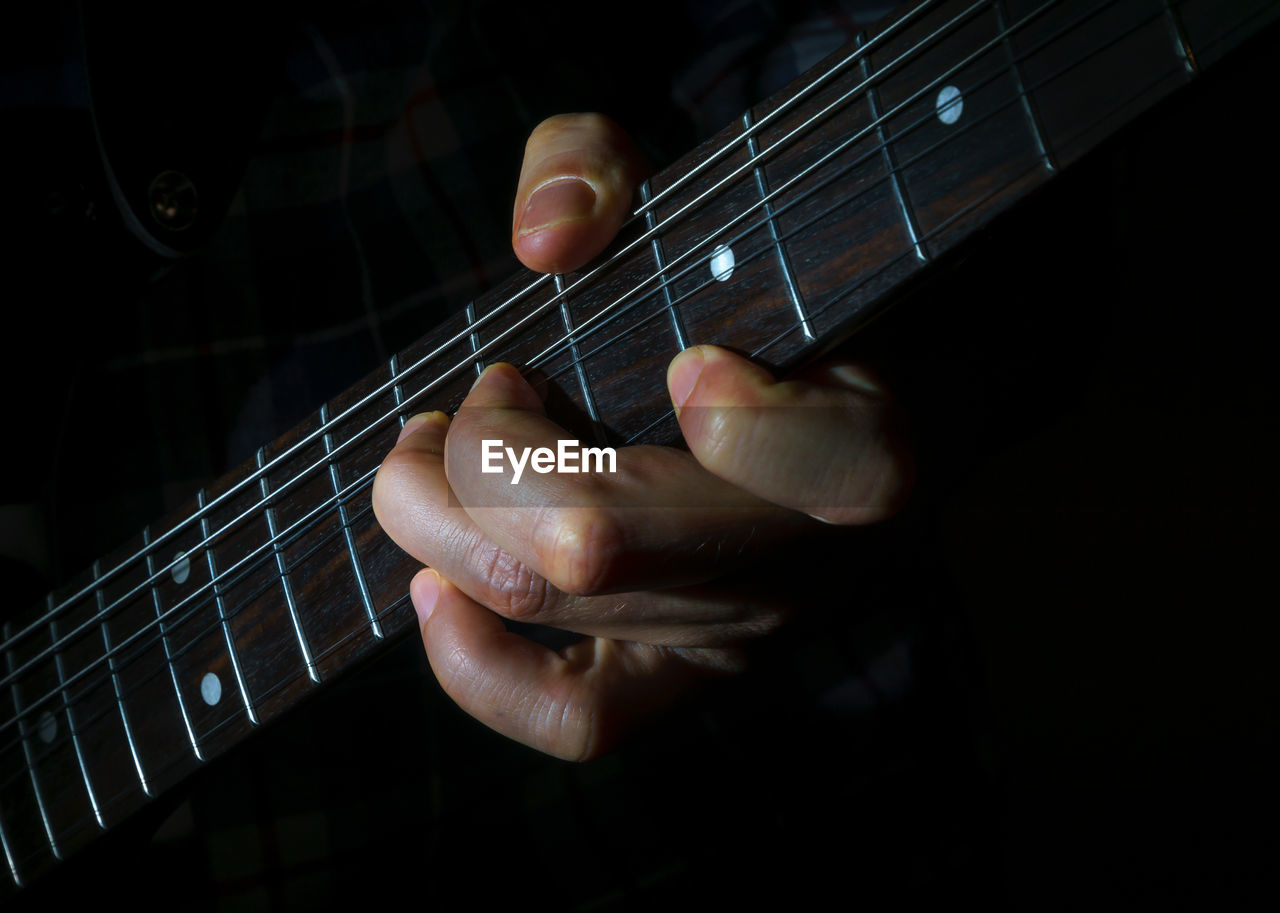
x=781, y=235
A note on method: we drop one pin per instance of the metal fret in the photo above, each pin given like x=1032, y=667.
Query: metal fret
x=475, y=338
x=899, y=190
x=1179, y=35
x=651, y=223
x=1028, y=106
x=784, y=262
x=118, y=685
x=164, y=640
x=8, y=852
x=285, y=584
x=71, y=723
x=356, y=567
x=574, y=353
x=397, y=391
x=26, y=752
x=226, y=621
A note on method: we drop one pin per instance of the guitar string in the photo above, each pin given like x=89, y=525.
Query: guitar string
x=736, y=141
x=397, y=603
x=398, y=380
x=900, y=166
x=394, y=607
x=360, y=483
x=362, y=629
x=587, y=326
x=391, y=609
x=356, y=484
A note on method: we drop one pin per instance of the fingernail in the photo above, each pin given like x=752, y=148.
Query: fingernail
x=683, y=375
x=417, y=421
x=565, y=200
x=424, y=591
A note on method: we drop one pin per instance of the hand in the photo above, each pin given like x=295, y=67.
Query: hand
x=663, y=593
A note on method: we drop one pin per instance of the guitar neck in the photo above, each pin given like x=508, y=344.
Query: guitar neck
x=779, y=236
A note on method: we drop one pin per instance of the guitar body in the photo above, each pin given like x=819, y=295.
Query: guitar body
x=1047, y=680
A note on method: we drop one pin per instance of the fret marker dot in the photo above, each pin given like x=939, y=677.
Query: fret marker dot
x=210, y=689
x=950, y=105
x=182, y=570
x=722, y=262
x=46, y=727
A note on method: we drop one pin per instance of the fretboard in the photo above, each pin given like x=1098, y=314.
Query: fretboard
x=779, y=236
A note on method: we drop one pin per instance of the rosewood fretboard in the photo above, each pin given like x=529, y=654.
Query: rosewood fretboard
x=778, y=236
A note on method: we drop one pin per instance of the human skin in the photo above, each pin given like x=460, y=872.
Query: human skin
x=663, y=596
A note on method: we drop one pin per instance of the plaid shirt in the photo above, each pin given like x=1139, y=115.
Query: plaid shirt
x=374, y=201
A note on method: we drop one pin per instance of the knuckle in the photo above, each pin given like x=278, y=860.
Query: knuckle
x=578, y=548
x=516, y=590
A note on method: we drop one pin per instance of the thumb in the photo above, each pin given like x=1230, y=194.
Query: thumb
x=576, y=186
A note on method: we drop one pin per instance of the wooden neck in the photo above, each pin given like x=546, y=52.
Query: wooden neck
x=779, y=236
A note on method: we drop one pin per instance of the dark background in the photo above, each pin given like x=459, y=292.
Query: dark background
x=1049, y=683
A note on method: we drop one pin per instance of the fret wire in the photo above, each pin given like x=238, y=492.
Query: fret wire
x=795, y=231
x=795, y=201
x=368, y=476
x=232, y=653
x=3, y=838
x=213, y=627
x=845, y=292
x=285, y=583
x=474, y=337
x=118, y=687
x=398, y=395
x=26, y=751
x=394, y=610
x=898, y=25
x=784, y=262
x=926, y=118
x=919, y=156
x=71, y=724
x=111, y=802
x=390, y=611
x=597, y=427
x=941, y=31
x=1028, y=104
x=168, y=655
x=973, y=56
x=262, y=588
x=1179, y=36
x=659, y=257
x=905, y=253
x=356, y=567
x=891, y=167
x=8, y=852
x=975, y=204
x=396, y=605
x=532, y=286
x=837, y=150
x=295, y=530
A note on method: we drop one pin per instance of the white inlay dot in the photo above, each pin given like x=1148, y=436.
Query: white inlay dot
x=210, y=689
x=46, y=727
x=182, y=570
x=950, y=104
x=722, y=262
